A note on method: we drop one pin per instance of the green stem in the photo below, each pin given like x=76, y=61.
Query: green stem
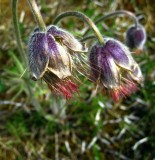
x=129, y=14
x=87, y=38
x=21, y=50
x=84, y=18
x=17, y=32
x=37, y=14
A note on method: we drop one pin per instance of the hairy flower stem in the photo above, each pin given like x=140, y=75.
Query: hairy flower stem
x=17, y=32
x=37, y=14
x=87, y=38
x=22, y=52
x=129, y=14
x=84, y=18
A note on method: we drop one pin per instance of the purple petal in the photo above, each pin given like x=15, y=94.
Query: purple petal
x=130, y=37
x=38, y=54
x=66, y=38
x=119, y=53
x=93, y=60
x=59, y=60
x=105, y=64
x=140, y=38
x=139, y=35
x=109, y=71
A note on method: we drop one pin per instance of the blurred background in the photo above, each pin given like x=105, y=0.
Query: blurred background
x=36, y=126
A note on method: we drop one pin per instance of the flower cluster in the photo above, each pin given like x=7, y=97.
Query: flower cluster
x=54, y=53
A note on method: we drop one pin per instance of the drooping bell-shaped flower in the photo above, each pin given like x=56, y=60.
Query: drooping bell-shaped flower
x=113, y=67
x=50, y=59
x=136, y=37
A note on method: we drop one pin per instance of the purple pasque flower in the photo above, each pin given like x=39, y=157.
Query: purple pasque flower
x=136, y=37
x=113, y=67
x=49, y=56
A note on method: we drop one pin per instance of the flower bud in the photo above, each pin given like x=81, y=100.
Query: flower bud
x=114, y=68
x=136, y=37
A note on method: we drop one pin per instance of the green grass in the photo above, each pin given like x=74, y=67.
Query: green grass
x=35, y=125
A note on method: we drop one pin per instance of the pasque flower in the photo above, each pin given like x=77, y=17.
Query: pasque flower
x=136, y=37
x=114, y=68
x=49, y=55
